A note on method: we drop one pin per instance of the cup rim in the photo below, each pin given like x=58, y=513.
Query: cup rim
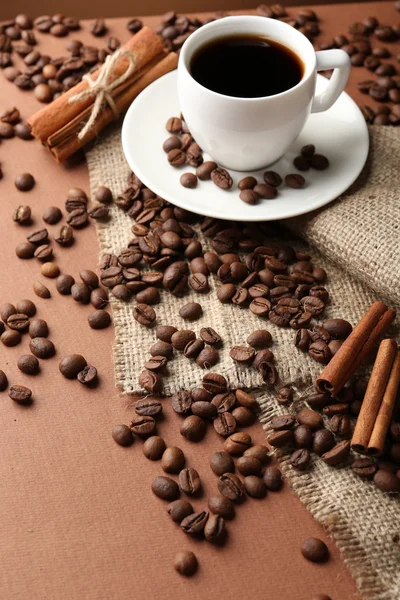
x=214, y=24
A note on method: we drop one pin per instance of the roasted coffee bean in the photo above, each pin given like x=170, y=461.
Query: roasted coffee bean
x=7, y=131
x=71, y=365
x=175, y=278
x=64, y=284
x=204, y=170
x=10, y=338
x=231, y=487
x=285, y=395
x=282, y=422
x=88, y=376
x=242, y=354
x=207, y=358
x=148, y=296
x=249, y=465
x=165, y=488
x=144, y=314
x=161, y=348
x=310, y=418
x=193, y=428
x=226, y=292
x=165, y=332
x=174, y=125
x=99, y=212
x=221, y=178
x=189, y=481
x=279, y=439
x=303, y=437
x=66, y=236
x=154, y=447
x=313, y=305
x=315, y=550
x=199, y=394
x=224, y=401
x=194, y=524
x=143, y=426
x=176, y=157
x=365, y=467
x=149, y=406
x=247, y=183
x=99, y=298
x=150, y=381
x=338, y=328
x=185, y=563
x=80, y=292
x=42, y=347
x=3, y=381
x=179, y=509
x=25, y=250
x=260, y=307
x=28, y=364
x=173, y=460
x=25, y=181
x=210, y=336
x=272, y=178
x=255, y=486
x=172, y=143
x=89, y=278
x=301, y=163
x=259, y=339
x=338, y=454
x=22, y=215
x=50, y=270
x=273, y=478
x=243, y=416
x=320, y=352
x=181, y=402
x=18, y=322
x=246, y=400
x=214, y=383
x=222, y=462
x=319, y=162
x=222, y=506
x=52, y=215
x=156, y=363
x=294, y=180
x=20, y=394
x=237, y=443
x=265, y=191
x=213, y=262
x=122, y=435
x=341, y=425
x=214, y=530
x=336, y=409
x=194, y=156
x=191, y=311
x=6, y=310
x=199, y=283
x=323, y=441
x=181, y=338
x=193, y=348
x=205, y=410
x=318, y=401
x=43, y=252
x=250, y=196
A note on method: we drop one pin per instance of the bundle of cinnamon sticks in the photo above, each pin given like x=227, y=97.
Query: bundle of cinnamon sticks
x=378, y=404
x=58, y=125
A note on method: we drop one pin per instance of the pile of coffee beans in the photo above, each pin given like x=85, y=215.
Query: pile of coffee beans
x=181, y=150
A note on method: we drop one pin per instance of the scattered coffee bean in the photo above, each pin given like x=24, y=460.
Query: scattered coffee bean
x=188, y=180
x=24, y=182
x=222, y=462
x=230, y=486
x=194, y=524
x=64, y=284
x=88, y=376
x=273, y=478
x=22, y=215
x=165, y=488
x=25, y=250
x=26, y=307
x=144, y=314
x=255, y=486
x=99, y=319
x=193, y=428
x=122, y=435
x=185, y=563
x=42, y=347
x=214, y=530
x=52, y=215
x=71, y=365
x=221, y=178
x=10, y=338
x=315, y=550
x=154, y=447
x=338, y=454
x=365, y=467
x=294, y=180
x=189, y=481
x=143, y=426
x=179, y=509
x=259, y=452
x=237, y=443
x=20, y=394
x=28, y=364
x=50, y=269
x=3, y=381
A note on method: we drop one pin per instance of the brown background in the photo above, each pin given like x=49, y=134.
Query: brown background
x=120, y=8
x=78, y=519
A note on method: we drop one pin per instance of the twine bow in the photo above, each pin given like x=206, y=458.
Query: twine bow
x=102, y=89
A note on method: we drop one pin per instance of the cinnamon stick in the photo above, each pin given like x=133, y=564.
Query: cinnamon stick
x=378, y=435
x=373, y=396
x=355, y=348
x=66, y=142
x=145, y=45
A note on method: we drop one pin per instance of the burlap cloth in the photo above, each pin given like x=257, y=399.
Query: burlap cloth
x=356, y=240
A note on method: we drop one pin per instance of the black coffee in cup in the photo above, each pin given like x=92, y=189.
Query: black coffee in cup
x=246, y=66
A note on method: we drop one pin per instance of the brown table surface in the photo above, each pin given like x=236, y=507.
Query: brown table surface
x=78, y=519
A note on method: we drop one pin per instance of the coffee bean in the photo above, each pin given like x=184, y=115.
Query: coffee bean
x=259, y=339
x=173, y=460
x=150, y=381
x=174, y=125
x=64, y=284
x=52, y=215
x=207, y=358
x=205, y=410
x=6, y=310
x=143, y=426
x=237, y=443
x=222, y=506
x=80, y=292
x=89, y=278
x=231, y=486
x=149, y=406
x=320, y=352
x=338, y=328
x=323, y=441
x=20, y=394
x=247, y=183
x=225, y=424
x=260, y=307
x=25, y=250
x=226, y=292
x=188, y=180
x=199, y=283
x=272, y=178
x=224, y=401
x=50, y=270
x=204, y=170
x=10, y=338
x=249, y=465
x=7, y=131
x=338, y=454
x=310, y=418
x=282, y=422
x=179, y=509
x=210, y=336
x=301, y=163
x=165, y=332
x=22, y=215
x=185, y=563
x=154, y=447
x=273, y=478
x=193, y=428
x=214, y=530
x=243, y=416
x=279, y=439
x=144, y=314
x=66, y=236
x=71, y=365
x=191, y=311
x=194, y=524
x=214, y=383
x=181, y=338
x=303, y=437
x=122, y=435
x=221, y=178
x=88, y=375
x=242, y=354
x=265, y=191
x=255, y=486
x=18, y=322
x=181, y=402
x=294, y=180
x=24, y=182
x=221, y=462
x=42, y=347
x=161, y=348
x=261, y=453
x=365, y=467
x=189, y=481
x=249, y=196
x=28, y=364
x=78, y=218
x=315, y=550
x=176, y=157
x=175, y=278
x=165, y=488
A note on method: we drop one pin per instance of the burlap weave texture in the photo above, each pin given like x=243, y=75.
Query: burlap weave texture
x=355, y=239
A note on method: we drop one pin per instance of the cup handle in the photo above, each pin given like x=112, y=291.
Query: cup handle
x=339, y=61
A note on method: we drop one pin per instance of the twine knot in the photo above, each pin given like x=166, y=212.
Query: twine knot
x=102, y=88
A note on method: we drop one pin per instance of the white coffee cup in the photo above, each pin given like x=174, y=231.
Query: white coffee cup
x=246, y=134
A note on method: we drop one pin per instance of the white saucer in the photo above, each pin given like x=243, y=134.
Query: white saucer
x=340, y=133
